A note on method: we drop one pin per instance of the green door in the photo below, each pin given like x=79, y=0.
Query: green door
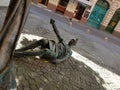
x=113, y=22
x=97, y=14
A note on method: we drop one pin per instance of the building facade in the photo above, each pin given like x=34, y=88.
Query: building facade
x=100, y=14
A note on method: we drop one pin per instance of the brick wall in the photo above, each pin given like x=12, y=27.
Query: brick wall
x=113, y=7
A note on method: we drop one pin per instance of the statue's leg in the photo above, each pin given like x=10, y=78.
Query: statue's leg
x=41, y=42
x=30, y=53
x=44, y=53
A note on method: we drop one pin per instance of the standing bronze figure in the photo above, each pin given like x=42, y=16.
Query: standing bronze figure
x=50, y=50
x=12, y=27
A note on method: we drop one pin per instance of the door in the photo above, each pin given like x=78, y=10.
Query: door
x=45, y=2
x=62, y=6
x=97, y=14
x=80, y=10
x=113, y=22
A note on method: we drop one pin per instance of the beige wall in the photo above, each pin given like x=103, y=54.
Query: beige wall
x=54, y=2
x=72, y=6
x=4, y=2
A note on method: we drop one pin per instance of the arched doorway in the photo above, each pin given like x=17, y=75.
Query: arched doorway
x=98, y=13
x=114, y=21
x=80, y=10
x=62, y=6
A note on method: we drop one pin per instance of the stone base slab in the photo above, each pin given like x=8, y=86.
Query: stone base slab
x=83, y=20
x=116, y=33
x=51, y=7
x=69, y=14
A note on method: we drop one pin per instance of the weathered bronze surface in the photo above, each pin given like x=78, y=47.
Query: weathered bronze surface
x=12, y=27
x=54, y=52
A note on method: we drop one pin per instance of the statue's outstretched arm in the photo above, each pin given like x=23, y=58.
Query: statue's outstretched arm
x=56, y=30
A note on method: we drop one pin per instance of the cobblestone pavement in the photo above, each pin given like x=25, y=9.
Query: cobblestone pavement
x=34, y=74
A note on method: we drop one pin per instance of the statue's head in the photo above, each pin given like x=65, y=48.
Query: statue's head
x=73, y=42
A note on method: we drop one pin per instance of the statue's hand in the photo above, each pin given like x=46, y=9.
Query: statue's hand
x=52, y=21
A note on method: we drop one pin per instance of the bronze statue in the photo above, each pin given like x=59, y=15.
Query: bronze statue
x=55, y=52
x=9, y=34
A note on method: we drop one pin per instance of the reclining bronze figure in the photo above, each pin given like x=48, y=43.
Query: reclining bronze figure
x=50, y=50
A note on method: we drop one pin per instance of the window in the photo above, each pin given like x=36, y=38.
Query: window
x=86, y=14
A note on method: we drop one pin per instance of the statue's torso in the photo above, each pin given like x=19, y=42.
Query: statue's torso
x=61, y=49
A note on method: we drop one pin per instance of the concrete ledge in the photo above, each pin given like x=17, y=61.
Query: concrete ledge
x=69, y=14
x=4, y=3
x=102, y=27
x=51, y=7
x=116, y=33
x=83, y=20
